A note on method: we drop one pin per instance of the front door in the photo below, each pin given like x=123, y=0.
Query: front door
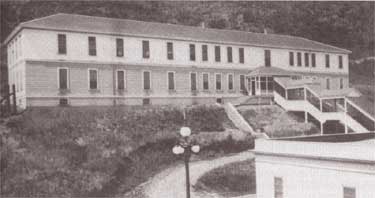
x=253, y=87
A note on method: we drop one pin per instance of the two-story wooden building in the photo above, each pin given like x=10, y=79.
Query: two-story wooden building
x=85, y=60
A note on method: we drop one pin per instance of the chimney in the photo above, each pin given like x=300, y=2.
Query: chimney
x=203, y=25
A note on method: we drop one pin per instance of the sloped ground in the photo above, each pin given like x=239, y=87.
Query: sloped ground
x=276, y=122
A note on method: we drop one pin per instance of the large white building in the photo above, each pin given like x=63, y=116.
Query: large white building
x=332, y=166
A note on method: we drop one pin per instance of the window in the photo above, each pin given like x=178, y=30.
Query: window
x=313, y=60
x=278, y=187
x=63, y=78
x=267, y=58
x=146, y=80
x=170, y=51
x=349, y=192
x=341, y=83
x=93, y=78
x=306, y=60
x=145, y=49
x=327, y=60
x=229, y=54
x=204, y=53
x=61, y=42
x=92, y=46
x=217, y=54
x=230, y=81
x=340, y=62
x=291, y=58
x=193, y=81
x=192, y=52
x=119, y=47
x=120, y=79
x=205, y=81
x=241, y=55
x=171, y=83
x=299, y=59
x=242, y=82
x=328, y=86
x=218, y=81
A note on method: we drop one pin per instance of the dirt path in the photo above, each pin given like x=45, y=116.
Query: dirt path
x=171, y=182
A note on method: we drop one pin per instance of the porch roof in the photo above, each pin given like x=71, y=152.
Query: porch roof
x=334, y=93
x=270, y=71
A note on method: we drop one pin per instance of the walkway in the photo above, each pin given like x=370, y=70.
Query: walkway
x=171, y=182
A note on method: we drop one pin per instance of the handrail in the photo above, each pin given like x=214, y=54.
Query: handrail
x=360, y=109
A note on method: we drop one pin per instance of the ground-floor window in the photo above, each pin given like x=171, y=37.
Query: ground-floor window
x=93, y=78
x=328, y=86
x=341, y=83
x=230, y=81
x=242, y=82
x=120, y=79
x=171, y=83
x=63, y=78
x=349, y=192
x=278, y=187
x=218, y=81
x=205, y=77
x=146, y=80
x=193, y=81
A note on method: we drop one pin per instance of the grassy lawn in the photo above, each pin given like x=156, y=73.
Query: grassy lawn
x=234, y=179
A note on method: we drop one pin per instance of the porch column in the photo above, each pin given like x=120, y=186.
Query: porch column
x=306, y=117
x=345, y=115
x=321, y=128
x=321, y=104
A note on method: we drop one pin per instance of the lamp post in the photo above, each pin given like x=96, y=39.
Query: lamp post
x=186, y=147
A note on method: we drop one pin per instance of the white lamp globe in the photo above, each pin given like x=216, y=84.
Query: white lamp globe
x=195, y=148
x=185, y=131
x=178, y=150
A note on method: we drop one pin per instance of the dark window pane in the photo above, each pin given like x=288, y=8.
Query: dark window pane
x=229, y=54
x=205, y=82
x=145, y=49
x=328, y=83
x=241, y=54
x=242, y=82
x=340, y=62
x=61, y=43
x=120, y=47
x=313, y=60
x=217, y=54
x=170, y=51
x=192, y=52
x=299, y=59
x=93, y=79
x=218, y=81
x=120, y=80
x=278, y=186
x=63, y=76
x=92, y=46
x=170, y=80
x=146, y=80
x=349, y=192
x=230, y=82
x=204, y=53
x=267, y=57
x=193, y=81
x=291, y=58
x=306, y=59
x=327, y=61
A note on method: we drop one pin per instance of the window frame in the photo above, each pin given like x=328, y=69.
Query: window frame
x=192, y=52
x=341, y=83
x=204, y=52
x=278, y=192
x=89, y=78
x=230, y=74
x=217, y=53
x=348, y=188
x=229, y=54
x=61, y=50
x=244, y=82
x=119, y=47
x=241, y=55
x=146, y=54
x=291, y=58
x=299, y=59
x=92, y=45
x=307, y=62
x=313, y=60
x=67, y=78
x=208, y=81
x=327, y=61
x=143, y=80
x=117, y=78
x=341, y=64
x=267, y=58
x=221, y=82
x=328, y=83
x=174, y=80
x=170, y=54
x=196, y=81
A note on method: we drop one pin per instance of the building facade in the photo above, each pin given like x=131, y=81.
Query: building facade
x=84, y=60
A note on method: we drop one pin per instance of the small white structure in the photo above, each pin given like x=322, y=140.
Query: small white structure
x=331, y=166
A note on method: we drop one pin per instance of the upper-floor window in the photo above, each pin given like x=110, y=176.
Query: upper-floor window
x=170, y=50
x=349, y=192
x=217, y=54
x=193, y=81
x=119, y=47
x=267, y=58
x=61, y=42
x=291, y=58
x=313, y=60
x=63, y=78
x=306, y=59
x=92, y=46
x=328, y=83
x=120, y=79
x=146, y=80
x=146, y=49
x=340, y=62
x=93, y=78
x=204, y=53
x=230, y=81
x=171, y=82
x=299, y=59
x=327, y=61
x=205, y=81
x=229, y=54
x=218, y=81
x=278, y=187
x=241, y=55
x=192, y=52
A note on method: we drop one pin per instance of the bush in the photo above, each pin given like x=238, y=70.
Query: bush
x=206, y=118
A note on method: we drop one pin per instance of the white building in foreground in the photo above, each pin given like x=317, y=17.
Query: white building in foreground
x=331, y=166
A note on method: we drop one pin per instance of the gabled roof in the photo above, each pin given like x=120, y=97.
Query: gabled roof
x=91, y=24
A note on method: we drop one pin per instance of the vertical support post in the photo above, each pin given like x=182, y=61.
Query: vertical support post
x=187, y=156
x=321, y=128
x=346, y=116
x=306, y=117
x=321, y=104
x=286, y=93
x=7, y=96
x=14, y=99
